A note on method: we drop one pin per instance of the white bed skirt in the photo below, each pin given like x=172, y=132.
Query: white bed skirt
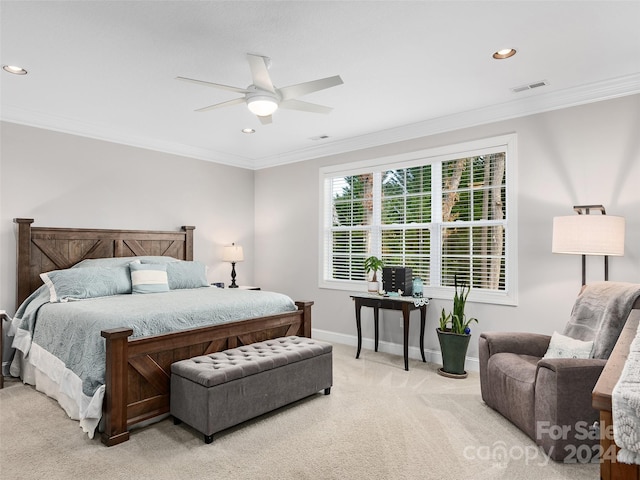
x=49, y=376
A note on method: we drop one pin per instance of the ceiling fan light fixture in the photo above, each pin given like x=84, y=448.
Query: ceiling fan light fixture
x=262, y=105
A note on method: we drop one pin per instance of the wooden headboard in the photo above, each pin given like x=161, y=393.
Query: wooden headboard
x=42, y=249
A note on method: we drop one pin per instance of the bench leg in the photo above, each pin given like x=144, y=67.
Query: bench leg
x=208, y=438
x=327, y=391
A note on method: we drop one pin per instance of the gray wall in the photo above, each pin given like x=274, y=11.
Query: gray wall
x=582, y=155
x=71, y=181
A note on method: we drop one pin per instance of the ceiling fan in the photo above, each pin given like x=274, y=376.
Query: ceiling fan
x=263, y=98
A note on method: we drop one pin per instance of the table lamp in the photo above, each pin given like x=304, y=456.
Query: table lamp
x=233, y=254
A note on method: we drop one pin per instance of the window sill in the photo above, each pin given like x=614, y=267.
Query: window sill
x=443, y=293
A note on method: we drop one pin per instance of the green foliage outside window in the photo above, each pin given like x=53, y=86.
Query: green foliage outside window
x=471, y=222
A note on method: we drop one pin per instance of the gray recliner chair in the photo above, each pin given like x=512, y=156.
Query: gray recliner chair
x=549, y=399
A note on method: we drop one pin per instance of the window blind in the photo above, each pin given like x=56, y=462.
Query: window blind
x=444, y=216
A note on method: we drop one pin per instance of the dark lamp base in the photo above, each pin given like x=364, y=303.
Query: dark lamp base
x=233, y=275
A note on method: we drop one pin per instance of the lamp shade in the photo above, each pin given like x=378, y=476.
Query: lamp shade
x=232, y=253
x=588, y=235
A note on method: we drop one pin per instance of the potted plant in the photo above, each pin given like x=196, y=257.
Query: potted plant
x=373, y=264
x=454, y=334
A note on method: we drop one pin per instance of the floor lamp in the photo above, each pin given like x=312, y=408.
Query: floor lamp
x=586, y=234
x=233, y=254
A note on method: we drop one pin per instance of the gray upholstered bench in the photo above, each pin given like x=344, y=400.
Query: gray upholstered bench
x=217, y=391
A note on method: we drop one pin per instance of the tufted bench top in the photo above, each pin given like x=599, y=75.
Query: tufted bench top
x=221, y=367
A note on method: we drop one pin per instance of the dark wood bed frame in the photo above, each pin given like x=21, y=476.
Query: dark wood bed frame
x=138, y=369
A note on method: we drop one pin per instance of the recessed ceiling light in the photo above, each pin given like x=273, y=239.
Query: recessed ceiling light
x=15, y=70
x=504, y=53
x=248, y=130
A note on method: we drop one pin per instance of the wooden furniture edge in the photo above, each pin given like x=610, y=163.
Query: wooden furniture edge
x=601, y=394
x=26, y=235
x=23, y=258
x=601, y=400
x=121, y=351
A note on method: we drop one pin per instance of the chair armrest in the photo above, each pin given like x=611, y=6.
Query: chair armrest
x=522, y=343
x=573, y=366
x=573, y=378
x=563, y=398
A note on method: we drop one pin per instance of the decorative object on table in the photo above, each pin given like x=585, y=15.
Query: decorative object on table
x=372, y=265
x=586, y=234
x=233, y=254
x=454, y=334
x=397, y=279
x=417, y=287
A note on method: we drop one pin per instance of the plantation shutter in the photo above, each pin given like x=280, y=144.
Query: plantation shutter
x=473, y=221
x=443, y=216
x=406, y=219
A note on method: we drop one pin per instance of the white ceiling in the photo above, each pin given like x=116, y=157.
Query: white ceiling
x=106, y=69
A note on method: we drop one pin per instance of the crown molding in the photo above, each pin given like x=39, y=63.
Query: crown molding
x=531, y=104
x=61, y=124
x=522, y=107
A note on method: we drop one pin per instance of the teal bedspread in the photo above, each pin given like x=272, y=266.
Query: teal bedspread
x=63, y=340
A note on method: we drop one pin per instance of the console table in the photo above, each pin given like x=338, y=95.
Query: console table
x=404, y=304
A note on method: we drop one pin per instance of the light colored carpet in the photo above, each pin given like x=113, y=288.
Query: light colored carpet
x=379, y=422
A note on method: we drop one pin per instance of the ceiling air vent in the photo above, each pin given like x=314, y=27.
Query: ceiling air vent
x=529, y=86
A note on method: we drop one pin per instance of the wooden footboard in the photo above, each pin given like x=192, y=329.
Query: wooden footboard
x=610, y=468
x=138, y=370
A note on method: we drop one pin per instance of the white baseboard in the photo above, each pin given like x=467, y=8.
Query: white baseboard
x=433, y=356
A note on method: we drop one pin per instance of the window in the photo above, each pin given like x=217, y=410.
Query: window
x=447, y=213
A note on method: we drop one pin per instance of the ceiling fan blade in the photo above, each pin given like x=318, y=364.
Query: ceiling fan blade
x=214, y=85
x=259, y=73
x=265, y=120
x=294, y=104
x=295, y=91
x=228, y=103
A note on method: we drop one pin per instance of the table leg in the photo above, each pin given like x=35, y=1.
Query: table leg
x=376, y=317
x=358, y=327
x=405, y=316
x=423, y=321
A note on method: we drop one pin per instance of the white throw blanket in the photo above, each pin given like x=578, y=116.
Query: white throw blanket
x=625, y=402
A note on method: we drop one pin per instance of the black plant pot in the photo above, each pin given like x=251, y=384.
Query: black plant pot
x=454, y=351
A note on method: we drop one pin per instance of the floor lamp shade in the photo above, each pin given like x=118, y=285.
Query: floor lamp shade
x=588, y=235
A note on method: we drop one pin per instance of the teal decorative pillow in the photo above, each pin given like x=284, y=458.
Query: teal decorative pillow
x=562, y=346
x=187, y=275
x=89, y=282
x=148, y=277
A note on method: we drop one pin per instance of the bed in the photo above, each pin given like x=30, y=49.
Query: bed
x=137, y=367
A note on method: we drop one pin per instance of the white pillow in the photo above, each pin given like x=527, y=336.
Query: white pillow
x=148, y=278
x=562, y=346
